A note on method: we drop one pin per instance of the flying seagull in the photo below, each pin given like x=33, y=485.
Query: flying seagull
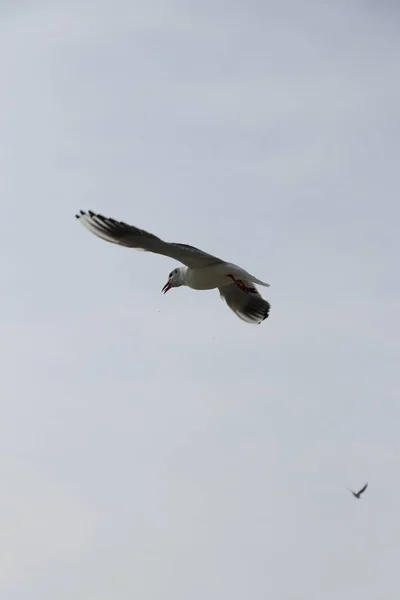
x=202, y=271
x=358, y=494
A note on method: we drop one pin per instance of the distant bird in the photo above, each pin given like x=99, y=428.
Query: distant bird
x=358, y=494
x=202, y=271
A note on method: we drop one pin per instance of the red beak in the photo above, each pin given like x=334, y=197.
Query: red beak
x=166, y=287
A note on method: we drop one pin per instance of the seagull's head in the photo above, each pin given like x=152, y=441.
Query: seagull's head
x=174, y=280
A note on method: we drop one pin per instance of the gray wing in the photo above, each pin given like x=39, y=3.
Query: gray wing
x=249, y=306
x=118, y=232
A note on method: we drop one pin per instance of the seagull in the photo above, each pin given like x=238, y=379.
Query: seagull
x=202, y=271
x=358, y=494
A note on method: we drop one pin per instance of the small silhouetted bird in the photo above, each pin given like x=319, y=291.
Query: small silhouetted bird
x=358, y=494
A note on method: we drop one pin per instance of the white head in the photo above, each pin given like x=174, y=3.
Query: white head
x=174, y=280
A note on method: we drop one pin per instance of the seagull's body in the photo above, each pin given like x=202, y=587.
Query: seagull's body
x=214, y=276
x=358, y=494
x=202, y=271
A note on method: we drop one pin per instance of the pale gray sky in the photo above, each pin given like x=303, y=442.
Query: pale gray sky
x=157, y=447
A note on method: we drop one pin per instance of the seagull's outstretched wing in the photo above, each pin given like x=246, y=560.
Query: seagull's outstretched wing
x=123, y=234
x=362, y=490
x=249, y=306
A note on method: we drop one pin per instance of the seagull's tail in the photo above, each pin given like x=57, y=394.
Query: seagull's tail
x=259, y=282
x=255, y=280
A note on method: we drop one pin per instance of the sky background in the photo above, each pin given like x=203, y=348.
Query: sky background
x=157, y=447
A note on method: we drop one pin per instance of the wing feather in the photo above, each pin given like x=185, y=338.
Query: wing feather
x=118, y=232
x=249, y=306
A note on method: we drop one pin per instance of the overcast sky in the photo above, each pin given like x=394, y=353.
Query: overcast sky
x=157, y=447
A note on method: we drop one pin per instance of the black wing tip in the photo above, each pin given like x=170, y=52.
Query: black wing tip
x=98, y=217
x=259, y=317
x=266, y=312
x=84, y=213
x=255, y=315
